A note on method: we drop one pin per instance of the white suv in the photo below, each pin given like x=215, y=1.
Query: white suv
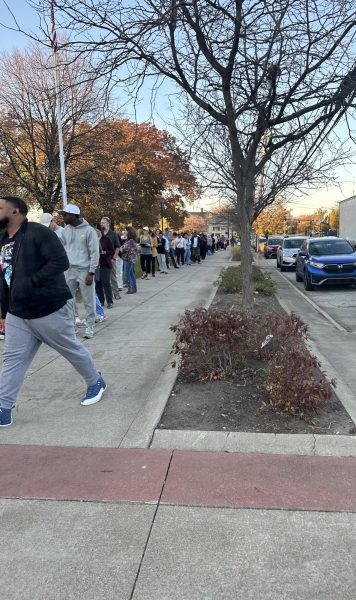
x=287, y=252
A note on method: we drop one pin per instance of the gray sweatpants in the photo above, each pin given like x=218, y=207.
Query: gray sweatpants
x=23, y=339
x=113, y=280
x=73, y=278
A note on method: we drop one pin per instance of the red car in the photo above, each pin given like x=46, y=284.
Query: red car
x=272, y=245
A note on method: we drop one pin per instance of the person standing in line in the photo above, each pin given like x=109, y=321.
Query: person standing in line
x=203, y=245
x=187, y=255
x=119, y=266
x=180, y=245
x=48, y=221
x=36, y=305
x=209, y=243
x=195, y=247
x=82, y=246
x=114, y=238
x=172, y=250
x=212, y=243
x=128, y=252
x=154, y=244
x=103, y=271
x=168, y=233
x=146, y=253
x=168, y=237
x=161, y=252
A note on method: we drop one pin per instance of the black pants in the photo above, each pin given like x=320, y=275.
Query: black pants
x=103, y=286
x=195, y=255
x=153, y=265
x=145, y=260
x=173, y=259
x=180, y=256
x=203, y=251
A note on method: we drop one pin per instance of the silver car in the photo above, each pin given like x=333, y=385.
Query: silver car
x=287, y=252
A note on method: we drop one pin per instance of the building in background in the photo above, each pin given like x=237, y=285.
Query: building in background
x=347, y=219
x=208, y=222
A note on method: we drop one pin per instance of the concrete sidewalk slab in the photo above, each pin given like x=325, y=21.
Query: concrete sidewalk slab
x=89, y=474
x=221, y=554
x=261, y=481
x=70, y=550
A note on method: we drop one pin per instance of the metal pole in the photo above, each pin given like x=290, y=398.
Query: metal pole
x=58, y=109
x=162, y=214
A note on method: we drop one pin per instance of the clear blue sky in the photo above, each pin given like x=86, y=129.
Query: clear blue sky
x=29, y=21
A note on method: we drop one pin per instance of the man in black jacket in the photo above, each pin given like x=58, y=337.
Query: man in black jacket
x=36, y=305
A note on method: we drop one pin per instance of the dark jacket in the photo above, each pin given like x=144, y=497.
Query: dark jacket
x=199, y=241
x=38, y=286
x=115, y=239
x=107, y=246
x=161, y=245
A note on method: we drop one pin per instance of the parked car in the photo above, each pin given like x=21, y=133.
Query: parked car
x=271, y=246
x=288, y=251
x=326, y=260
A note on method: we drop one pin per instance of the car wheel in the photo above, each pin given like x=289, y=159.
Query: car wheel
x=282, y=268
x=297, y=276
x=266, y=256
x=308, y=286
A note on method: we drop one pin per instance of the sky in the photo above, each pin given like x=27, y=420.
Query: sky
x=29, y=21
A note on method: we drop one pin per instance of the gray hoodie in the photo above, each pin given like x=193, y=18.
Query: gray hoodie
x=82, y=246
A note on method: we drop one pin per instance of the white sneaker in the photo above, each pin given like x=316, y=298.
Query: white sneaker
x=100, y=319
x=88, y=333
x=80, y=322
x=2, y=336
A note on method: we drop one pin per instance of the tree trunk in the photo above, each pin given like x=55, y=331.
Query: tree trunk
x=246, y=202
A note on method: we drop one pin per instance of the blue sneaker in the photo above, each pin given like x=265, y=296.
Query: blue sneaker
x=5, y=417
x=94, y=392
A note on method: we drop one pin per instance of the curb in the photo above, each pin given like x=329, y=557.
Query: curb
x=260, y=443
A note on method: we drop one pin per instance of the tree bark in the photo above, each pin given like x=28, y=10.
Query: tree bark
x=245, y=202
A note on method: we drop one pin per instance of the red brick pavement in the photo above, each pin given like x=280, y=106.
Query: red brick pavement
x=212, y=479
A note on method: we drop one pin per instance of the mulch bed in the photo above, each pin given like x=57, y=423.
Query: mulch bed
x=242, y=403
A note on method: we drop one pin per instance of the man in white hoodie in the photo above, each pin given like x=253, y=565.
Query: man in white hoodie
x=82, y=246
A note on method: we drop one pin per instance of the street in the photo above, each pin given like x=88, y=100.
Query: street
x=339, y=302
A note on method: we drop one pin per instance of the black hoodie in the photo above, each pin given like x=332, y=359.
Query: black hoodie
x=37, y=286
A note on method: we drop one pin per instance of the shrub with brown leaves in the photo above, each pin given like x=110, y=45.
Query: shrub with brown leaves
x=216, y=343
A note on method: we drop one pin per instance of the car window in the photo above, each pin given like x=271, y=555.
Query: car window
x=293, y=242
x=274, y=241
x=330, y=247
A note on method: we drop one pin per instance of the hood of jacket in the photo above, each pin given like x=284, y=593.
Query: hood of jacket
x=82, y=246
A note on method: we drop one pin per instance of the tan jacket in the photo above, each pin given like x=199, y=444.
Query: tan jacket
x=154, y=244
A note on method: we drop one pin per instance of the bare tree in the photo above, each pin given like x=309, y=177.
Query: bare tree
x=29, y=155
x=274, y=76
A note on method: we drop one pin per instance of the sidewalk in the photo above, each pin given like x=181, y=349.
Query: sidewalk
x=89, y=511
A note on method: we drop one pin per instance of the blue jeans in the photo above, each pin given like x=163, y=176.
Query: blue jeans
x=99, y=309
x=187, y=256
x=130, y=276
